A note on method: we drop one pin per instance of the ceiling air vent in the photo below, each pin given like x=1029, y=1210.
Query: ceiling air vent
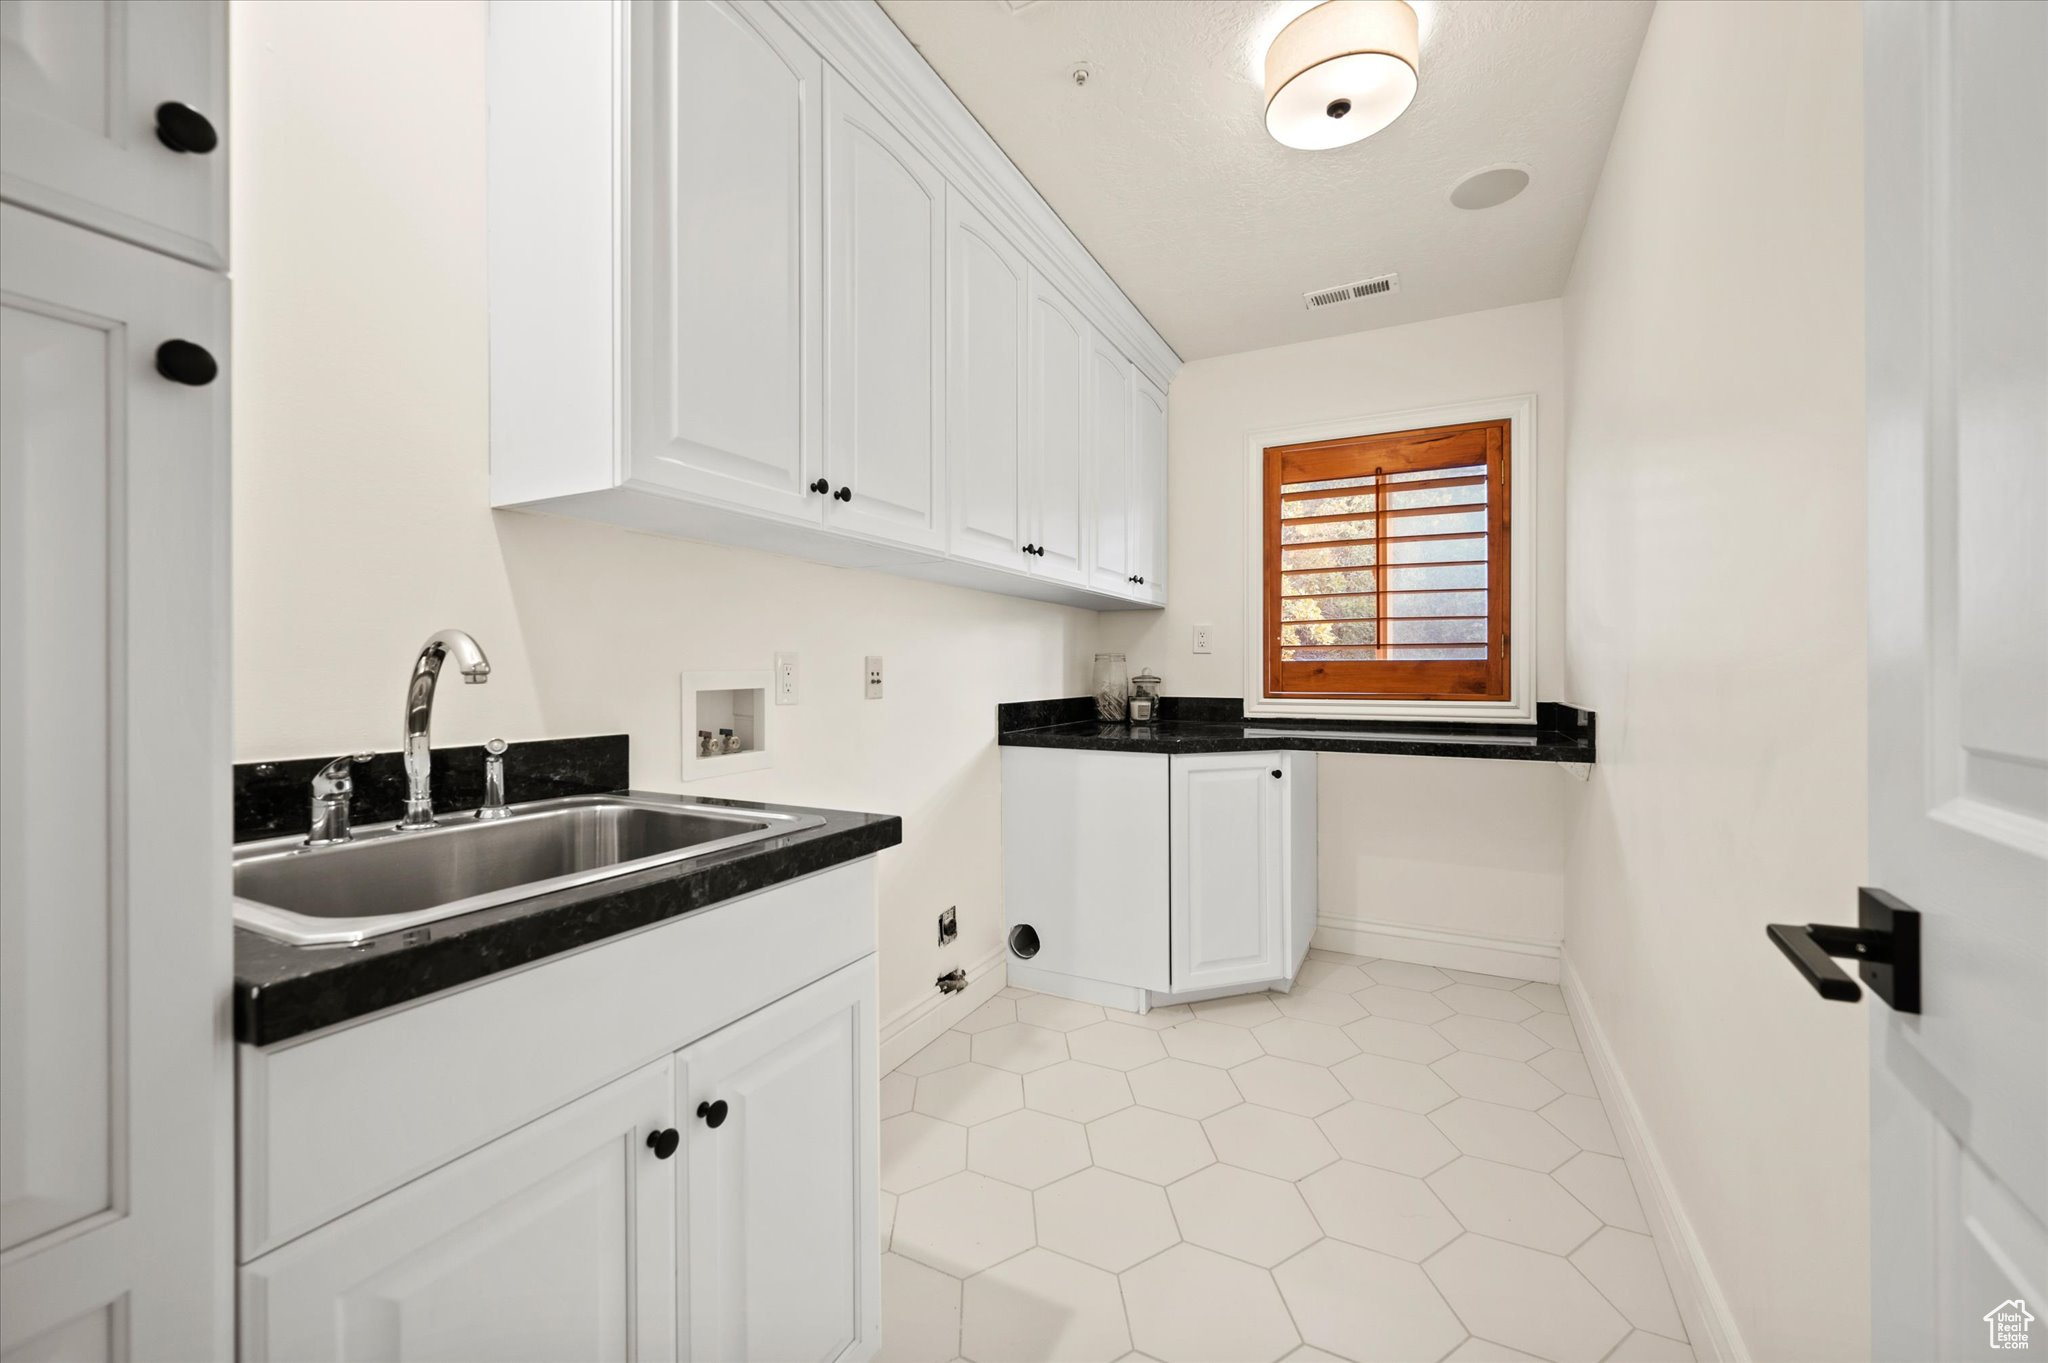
x=1362, y=288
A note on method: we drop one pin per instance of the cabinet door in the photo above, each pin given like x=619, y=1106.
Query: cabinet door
x=80, y=84
x=114, y=947
x=885, y=232
x=779, y=1222
x=1109, y=466
x=1148, y=489
x=1228, y=870
x=987, y=284
x=1056, y=419
x=725, y=254
x=554, y=1242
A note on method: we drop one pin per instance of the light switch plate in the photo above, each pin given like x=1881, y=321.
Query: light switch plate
x=874, y=676
x=1205, y=636
x=785, y=679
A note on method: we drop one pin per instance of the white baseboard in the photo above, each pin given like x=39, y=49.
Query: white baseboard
x=1517, y=958
x=909, y=1030
x=1716, y=1338
x=1127, y=997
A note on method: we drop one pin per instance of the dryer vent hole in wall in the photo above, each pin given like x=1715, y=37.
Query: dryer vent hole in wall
x=1023, y=941
x=1358, y=288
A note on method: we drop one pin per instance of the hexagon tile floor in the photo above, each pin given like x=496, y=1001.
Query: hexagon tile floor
x=1393, y=1163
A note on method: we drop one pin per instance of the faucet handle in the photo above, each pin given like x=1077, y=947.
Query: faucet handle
x=496, y=747
x=334, y=779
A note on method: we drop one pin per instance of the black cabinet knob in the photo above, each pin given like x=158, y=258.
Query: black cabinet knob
x=184, y=362
x=821, y=486
x=184, y=129
x=844, y=494
x=712, y=1113
x=1276, y=773
x=664, y=1142
x=1038, y=549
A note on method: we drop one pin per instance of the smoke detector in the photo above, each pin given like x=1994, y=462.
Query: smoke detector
x=1375, y=287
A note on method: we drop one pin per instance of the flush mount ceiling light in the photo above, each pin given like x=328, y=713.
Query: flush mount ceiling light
x=1341, y=72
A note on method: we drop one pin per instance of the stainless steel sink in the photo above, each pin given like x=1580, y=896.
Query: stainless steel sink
x=387, y=880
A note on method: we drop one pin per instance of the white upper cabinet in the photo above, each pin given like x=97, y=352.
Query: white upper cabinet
x=92, y=98
x=885, y=270
x=758, y=278
x=724, y=254
x=1148, y=489
x=985, y=292
x=1057, y=426
x=1112, y=483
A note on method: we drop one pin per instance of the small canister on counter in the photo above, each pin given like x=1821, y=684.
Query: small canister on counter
x=1144, y=703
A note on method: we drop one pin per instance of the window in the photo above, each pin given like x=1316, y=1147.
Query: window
x=1386, y=566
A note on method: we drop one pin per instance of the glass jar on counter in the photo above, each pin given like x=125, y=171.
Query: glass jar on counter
x=1144, y=702
x=1112, y=688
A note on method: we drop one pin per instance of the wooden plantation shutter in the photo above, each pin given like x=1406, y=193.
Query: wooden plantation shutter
x=1387, y=566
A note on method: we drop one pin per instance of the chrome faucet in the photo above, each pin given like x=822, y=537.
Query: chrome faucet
x=327, y=821
x=419, y=714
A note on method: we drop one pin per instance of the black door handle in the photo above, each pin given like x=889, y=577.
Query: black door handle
x=664, y=1142
x=185, y=129
x=712, y=1113
x=187, y=363
x=1885, y=944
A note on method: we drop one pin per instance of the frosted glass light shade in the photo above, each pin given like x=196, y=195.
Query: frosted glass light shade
x=1341, y=72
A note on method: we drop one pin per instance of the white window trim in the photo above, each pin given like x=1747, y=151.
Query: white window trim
x=1520, y=707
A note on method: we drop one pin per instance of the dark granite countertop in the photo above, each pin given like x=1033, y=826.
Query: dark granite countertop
x=283, y=991
x=1561, y=733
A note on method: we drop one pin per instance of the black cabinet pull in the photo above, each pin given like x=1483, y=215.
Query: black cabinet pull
x=845, y=494
x=1027, y=548
x=664, y=1142
x=1885, y=944
x=184, y=129
x=821, y=486
x=1276, y=773
x=186, y=363
x=712, y=1113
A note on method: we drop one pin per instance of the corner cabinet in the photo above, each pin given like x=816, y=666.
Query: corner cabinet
x=717, y=1203
x=758, y=278
x=1132, y=879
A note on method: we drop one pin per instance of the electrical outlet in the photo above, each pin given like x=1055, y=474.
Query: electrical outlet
x=949, y=927
x=785, y=679
x=1205, y=636
x=874, y=675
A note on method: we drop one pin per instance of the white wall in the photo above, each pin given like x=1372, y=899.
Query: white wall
x=1387, y=854
x=1715, y=620
x=362, y=518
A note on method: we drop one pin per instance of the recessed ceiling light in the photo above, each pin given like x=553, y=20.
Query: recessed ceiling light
x=1341, y=72
x=1490, y=187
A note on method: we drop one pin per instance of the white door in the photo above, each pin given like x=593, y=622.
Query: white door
x=1148, y=489
x=1957, y=189
x=1109, y=468
x=885, y=263
x=114, y=934
x=82, y=90
x=727, y=311
x=986, y=284
x=781, y=1132
x=555, y=1242
x=1056, y=419
x=1228, y=870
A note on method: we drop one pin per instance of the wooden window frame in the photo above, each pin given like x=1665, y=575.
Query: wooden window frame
x=1437, y=690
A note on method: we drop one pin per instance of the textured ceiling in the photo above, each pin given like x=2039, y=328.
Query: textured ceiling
x=1162, y=167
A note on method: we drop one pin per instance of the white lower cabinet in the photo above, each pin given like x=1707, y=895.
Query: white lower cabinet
x=554, y=1242
x=716, y=1204
x=1138, y=878
x=781, y=1196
